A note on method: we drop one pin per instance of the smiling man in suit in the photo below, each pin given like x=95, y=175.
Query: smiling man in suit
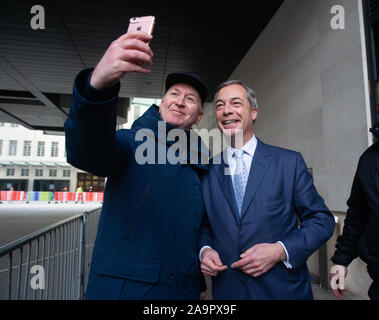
x=264, y=215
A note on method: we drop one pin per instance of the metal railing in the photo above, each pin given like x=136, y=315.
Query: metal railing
x=56, y=263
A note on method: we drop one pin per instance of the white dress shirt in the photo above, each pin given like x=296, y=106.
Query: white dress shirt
x=249, y=150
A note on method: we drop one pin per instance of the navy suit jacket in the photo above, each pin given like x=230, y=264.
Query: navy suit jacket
x=280, y=204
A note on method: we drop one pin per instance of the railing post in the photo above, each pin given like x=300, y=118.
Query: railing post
x=81, y=260
x=10, y=275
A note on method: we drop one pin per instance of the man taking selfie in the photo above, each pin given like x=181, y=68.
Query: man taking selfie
x=146, y=245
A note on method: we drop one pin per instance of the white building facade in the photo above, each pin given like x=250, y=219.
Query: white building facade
x=33, y=161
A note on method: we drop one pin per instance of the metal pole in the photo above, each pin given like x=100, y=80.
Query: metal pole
x=10, y=275
x=19, y=273
x=82, y=259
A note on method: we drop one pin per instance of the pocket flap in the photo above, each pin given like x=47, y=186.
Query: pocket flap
x=129, y=270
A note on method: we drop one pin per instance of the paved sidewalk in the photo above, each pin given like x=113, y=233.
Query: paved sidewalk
x=319, y=293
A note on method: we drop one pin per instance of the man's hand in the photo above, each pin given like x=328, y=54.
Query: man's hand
x=338, y=274
x=126, y=54
x=260, y=258
x=203, y=295
x=211, y=263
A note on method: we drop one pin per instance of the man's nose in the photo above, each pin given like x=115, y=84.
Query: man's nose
x=180, y=101
x=228, y=109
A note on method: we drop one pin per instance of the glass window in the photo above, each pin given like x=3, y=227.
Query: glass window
x=12, y=148
x=24, y=172
x=53, y=172
x=10, y=172
x=54, y=149
x=27, y=148
x=41, y=149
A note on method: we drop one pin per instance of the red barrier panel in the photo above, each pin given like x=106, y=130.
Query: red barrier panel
x=4, y=195
x=12, y=195
x=58, y=196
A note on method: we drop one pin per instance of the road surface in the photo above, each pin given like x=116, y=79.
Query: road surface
x=20, y=219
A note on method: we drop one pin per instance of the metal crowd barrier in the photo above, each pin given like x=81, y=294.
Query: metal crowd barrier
x=52, y=263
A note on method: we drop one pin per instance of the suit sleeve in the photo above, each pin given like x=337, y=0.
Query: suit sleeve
x=205, y=234
x=92, y=143
x=316, y=221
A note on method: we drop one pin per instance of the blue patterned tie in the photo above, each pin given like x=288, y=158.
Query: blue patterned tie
x=240, y=179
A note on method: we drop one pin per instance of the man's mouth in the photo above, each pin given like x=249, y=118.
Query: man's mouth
x=178, y=112
x=229, y=122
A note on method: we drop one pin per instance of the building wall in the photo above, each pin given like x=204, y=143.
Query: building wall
x=47, y=162
x=309, y=81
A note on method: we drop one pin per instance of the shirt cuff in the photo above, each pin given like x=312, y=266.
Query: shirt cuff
x=287, y=261
x=201, y=250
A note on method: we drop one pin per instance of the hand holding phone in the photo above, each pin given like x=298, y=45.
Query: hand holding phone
x=129, y=53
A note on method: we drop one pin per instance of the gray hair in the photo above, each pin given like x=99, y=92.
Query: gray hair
x=249, y=92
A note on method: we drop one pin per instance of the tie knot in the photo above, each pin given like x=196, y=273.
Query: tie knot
x=238, y=153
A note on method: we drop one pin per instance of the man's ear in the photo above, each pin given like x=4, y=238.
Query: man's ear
x=199, y=117
x=160, y=106
x=254, y=114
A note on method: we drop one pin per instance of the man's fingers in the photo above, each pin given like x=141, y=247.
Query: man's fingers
x=211, y=263
x=208, y=271
x=132, y=67
x=135, y=56
x=217, y=261
x=135, y=44
x=139, y=69
x=247, y=252
x=214, y=267
x=241, y=263
x=141, y=35
x=208, y=267
x=339, y=293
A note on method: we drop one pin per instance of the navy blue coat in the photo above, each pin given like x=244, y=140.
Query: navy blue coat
x=146, y=245
x=279, y=193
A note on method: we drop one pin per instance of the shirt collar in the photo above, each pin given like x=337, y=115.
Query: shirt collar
x=249, y=148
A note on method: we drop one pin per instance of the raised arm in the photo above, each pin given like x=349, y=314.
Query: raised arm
x=92, y=142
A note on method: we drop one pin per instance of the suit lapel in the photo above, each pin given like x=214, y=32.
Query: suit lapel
x=259, y=165
x=226, y=184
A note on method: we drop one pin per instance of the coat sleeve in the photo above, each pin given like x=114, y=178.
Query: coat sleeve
x=92, y=143
x=316, y=221
x=354, y=225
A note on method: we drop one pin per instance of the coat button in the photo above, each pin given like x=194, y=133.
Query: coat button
x=243, y=282
x=171, y=276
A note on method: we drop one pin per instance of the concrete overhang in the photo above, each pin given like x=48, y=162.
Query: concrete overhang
x=37, y=67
